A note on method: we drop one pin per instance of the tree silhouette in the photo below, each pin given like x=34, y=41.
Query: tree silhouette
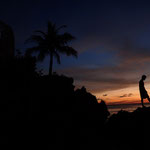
x=51, y=43
x=7, y=42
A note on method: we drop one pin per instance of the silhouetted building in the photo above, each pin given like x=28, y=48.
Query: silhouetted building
x=7, y=42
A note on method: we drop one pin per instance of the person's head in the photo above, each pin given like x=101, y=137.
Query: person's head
x=143, y=77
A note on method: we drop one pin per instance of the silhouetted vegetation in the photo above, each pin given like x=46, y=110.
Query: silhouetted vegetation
x=59, y=115
x=51, y=43
x=7, y=42
x=51, y=101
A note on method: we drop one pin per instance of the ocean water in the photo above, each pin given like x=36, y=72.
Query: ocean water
x=113, y=109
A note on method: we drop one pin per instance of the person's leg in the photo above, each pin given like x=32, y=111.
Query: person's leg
x=142, y=102
x=148, y=98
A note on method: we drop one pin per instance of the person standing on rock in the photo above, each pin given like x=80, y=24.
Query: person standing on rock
x=143, y=91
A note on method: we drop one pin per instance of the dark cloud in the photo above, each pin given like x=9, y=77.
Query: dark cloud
x=126, y=95
x=105, y=95
x=133, y=61
x=130, y=94
x=104, y=78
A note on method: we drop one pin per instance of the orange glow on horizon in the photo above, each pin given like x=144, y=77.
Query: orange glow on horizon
x=129, y=95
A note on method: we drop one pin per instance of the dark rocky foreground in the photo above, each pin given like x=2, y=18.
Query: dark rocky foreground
x=44, y=112
x=129, y=130
x=39, y=111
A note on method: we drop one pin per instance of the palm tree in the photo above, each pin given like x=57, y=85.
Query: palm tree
x=51, y=43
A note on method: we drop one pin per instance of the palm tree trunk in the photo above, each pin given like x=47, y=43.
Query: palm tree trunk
x=51, y=64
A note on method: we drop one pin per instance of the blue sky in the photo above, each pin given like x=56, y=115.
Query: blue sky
x=112, y=38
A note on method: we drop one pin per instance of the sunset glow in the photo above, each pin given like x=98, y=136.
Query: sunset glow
x=123, y=96
x=112, y=41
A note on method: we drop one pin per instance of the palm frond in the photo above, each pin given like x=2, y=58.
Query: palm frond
x=66, y=37
x=51, y=28
x=63, y=26
x=68, y=51
x=41, y=32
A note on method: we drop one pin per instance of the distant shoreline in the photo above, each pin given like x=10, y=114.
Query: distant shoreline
x=116, y=104
x=114, y=109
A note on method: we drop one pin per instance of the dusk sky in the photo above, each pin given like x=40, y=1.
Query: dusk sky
x=112, y=39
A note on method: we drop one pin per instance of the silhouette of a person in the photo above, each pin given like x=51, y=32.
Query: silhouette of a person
x=143, y=91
